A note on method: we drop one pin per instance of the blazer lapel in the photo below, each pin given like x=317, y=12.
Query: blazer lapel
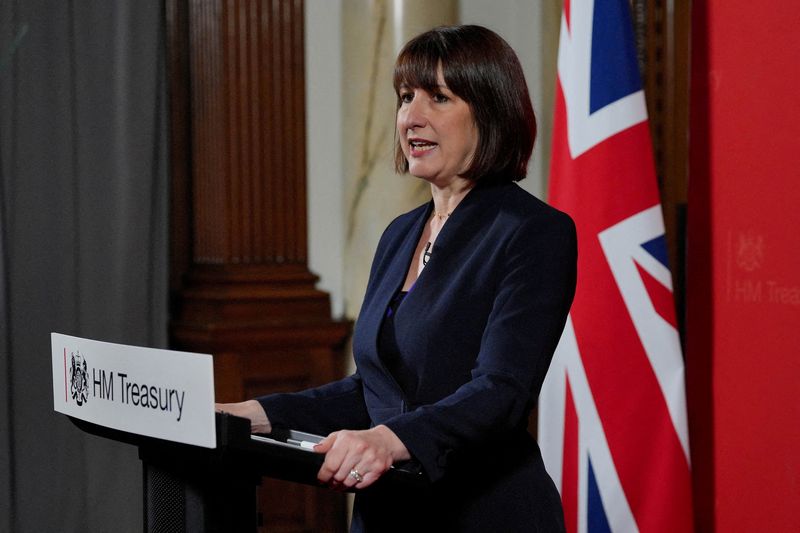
x=391, y=281
x=451, y=244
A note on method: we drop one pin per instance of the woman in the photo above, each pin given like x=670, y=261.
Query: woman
x=467, y=298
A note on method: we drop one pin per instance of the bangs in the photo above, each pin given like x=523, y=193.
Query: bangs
x=417, y=67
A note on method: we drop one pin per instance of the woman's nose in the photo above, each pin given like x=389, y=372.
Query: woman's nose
x=413, y=114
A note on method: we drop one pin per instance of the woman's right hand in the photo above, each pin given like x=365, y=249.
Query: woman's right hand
x=252, y=410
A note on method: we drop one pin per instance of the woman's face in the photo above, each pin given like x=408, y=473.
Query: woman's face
x=437, y=132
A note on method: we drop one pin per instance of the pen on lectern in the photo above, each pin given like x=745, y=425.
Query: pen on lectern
x=302, y=443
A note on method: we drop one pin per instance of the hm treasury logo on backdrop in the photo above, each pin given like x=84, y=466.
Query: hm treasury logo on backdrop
x=145, y=391
x=78, y=383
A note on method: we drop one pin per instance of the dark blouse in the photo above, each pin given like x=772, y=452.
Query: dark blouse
x=388, y=348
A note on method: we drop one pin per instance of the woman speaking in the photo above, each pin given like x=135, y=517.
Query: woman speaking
x=467, y=298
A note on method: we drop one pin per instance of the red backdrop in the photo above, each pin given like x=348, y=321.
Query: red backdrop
x=743, y=281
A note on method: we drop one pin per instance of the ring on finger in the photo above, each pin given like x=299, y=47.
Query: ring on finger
x=355, y=474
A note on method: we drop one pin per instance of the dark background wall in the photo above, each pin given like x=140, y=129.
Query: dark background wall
x=83, y=227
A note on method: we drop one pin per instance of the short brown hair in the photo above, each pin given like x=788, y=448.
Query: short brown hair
x=481, y=69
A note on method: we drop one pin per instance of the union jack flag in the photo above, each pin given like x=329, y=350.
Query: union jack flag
x=612, y=413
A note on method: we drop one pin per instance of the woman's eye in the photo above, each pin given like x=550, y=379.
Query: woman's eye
x=406, y=97
x=439, y=98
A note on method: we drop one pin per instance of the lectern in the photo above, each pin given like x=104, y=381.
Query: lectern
x=201, y=469
x=195, y=489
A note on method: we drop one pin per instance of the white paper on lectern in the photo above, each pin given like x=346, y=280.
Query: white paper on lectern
x=158, y=393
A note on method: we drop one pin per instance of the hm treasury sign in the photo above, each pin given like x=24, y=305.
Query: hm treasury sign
x=156, y=393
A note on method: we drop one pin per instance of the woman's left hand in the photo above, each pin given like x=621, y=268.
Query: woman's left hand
x=356, y=459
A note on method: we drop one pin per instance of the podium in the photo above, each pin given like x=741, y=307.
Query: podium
x=209, y=490
x=200, y=468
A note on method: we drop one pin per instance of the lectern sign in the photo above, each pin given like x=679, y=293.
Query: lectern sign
x=158, y=393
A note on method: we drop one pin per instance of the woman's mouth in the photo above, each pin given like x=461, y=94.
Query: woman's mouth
x=419, y=147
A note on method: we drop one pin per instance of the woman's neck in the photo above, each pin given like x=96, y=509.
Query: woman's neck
x=446, y=198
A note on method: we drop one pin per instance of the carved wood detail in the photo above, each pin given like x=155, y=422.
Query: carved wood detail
x=662, y=29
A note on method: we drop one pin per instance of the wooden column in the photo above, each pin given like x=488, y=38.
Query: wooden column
x=241, y=285
x=662, y=31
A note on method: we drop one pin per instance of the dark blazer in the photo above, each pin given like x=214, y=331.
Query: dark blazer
x=476, y=333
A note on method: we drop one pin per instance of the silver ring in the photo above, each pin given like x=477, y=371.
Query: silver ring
x=355, y=475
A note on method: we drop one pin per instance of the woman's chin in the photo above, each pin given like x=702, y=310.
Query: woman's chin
x=421, y=174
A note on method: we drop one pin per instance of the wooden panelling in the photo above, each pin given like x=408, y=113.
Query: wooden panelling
x=662, y=30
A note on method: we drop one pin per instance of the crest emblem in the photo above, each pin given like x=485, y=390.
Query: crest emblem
x=750, y=251
x=78, y=379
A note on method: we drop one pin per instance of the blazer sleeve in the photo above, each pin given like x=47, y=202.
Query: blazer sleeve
x=536, y=285
x=321, y=410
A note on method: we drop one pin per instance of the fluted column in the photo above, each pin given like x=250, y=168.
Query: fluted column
x=238, y=127
x=248, y=128
x=241, y=285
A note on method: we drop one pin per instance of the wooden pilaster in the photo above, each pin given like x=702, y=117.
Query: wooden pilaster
x=240, y=281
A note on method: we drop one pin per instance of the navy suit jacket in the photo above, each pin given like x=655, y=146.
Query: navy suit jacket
x=476, y=333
